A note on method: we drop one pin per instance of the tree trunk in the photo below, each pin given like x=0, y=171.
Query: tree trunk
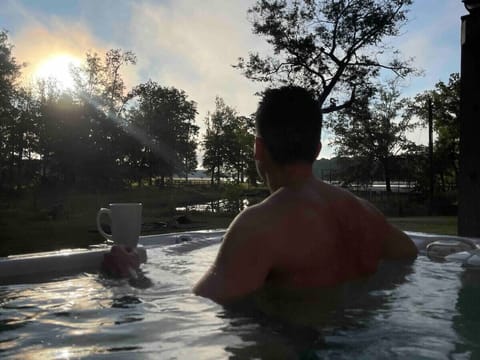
x=442, y=182
x=386, y=172
x=20, y=160
x=218, y=175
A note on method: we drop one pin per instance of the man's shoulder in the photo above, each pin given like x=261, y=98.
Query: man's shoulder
x=259, y=221
x=250, y=231
x=254, y=215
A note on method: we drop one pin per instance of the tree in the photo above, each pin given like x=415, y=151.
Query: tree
x=242, y=161
x=238, y=138
x=163, y=123
x=445, y=98
x=23, y=137
x=9, y=119
x=329, y=46
x=215, y=139
x=228, y=145
x=101, y=92
x=72, y=153
x=187, y=148
x=100, y=83
x=113, y=84
x=372, y=130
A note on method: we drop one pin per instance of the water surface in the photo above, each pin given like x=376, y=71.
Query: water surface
x=426, y=310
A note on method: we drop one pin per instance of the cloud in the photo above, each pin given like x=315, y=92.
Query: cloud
x=432, y=37
x=193, y=48
x=419, y=135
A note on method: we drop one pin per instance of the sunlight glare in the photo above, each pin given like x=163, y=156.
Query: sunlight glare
x=58, y=68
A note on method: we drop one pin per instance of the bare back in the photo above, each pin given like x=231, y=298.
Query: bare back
x=315, y=235
x=324, y=235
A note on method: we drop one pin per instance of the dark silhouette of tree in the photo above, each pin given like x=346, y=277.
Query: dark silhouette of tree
x=47, y=128
x=329, y=46
x=163, y=123
x=10, y=122
x=241, y=162
x=114, y=88
x=215, y=140
x=71, y=147
x=445, y=98
x=25, y=119
x=98, y=135
x=101, y=92
x=188, y=149
x=228, y=145
x=373, y=130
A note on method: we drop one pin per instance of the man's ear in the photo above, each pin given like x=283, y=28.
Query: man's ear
x=258, y=149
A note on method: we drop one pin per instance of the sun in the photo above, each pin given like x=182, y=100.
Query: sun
x=59, y=69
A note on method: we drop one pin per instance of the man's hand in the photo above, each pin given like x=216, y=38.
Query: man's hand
x=121, y=262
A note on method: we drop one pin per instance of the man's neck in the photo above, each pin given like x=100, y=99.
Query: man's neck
x=290, y=176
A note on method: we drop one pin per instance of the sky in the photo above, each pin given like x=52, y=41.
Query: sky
x=192, y=44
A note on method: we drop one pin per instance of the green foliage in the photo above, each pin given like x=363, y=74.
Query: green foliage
x=331, y=47
x=445, y=98
x=167, y=140
x=228, y=144
x=11, y=120
x=433, y=225
x=372, y=131
x=232, y=192
x=100, y=91
x=99, y=81
x=27, y=226
x=98, y=135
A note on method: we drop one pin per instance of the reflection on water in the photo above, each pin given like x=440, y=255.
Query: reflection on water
x=422, y=310
x=217, y=206
x=467, y=321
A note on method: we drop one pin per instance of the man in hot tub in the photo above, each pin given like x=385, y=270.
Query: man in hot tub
x=306, y=234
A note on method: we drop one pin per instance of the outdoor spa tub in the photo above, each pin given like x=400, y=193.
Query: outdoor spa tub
x=427, y=309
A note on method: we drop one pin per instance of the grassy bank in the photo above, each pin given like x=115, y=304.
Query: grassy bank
x=62, y=219
x=29, y=223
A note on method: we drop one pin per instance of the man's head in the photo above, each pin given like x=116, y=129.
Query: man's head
x=289, y=123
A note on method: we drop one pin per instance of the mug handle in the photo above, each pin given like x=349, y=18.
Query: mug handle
x=99, y=226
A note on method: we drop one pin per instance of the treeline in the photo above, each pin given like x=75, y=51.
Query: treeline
x=372, y=144
x=408, y=168
x=101, y=135
x=341, y=51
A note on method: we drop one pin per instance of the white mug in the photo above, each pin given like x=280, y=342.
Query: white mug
x=126, y=220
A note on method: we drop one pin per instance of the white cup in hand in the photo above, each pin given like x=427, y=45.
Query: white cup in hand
x=126, y=223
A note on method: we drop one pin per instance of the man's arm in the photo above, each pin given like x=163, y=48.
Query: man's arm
x=242, y=263
x=397, y=245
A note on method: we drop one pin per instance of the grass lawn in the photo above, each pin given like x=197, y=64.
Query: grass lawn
x=25, y=225
x=446, y=225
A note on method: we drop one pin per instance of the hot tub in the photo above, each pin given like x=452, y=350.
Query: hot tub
x=426, y=309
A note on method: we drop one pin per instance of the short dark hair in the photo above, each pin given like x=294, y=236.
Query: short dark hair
x=289, y=121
